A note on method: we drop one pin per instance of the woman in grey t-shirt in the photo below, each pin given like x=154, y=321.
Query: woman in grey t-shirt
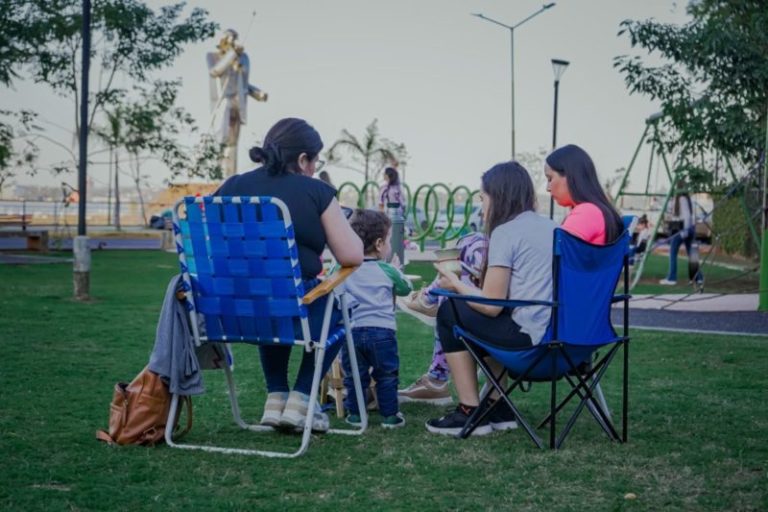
x=518, y=266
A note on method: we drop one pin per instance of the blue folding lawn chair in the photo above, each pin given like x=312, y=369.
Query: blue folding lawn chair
x=585, y=277
x=240, y=268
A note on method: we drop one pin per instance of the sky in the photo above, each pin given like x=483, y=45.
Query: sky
x=436, y=78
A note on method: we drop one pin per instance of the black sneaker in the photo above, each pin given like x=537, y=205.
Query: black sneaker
x=452, y=423
x=502, y=418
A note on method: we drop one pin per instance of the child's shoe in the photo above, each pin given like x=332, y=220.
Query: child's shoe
x=395, y=421
x=273, y=409
x=354, y=420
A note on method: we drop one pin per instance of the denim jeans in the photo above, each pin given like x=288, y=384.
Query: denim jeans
x=274, y=359
x=674, y=246
x=376, y=350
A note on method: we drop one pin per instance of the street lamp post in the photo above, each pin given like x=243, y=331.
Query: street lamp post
x=558, y=66
x=511, y=29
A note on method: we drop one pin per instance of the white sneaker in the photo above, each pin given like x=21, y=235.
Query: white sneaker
x=667, y=282
x=273, y=409
x=295, y=414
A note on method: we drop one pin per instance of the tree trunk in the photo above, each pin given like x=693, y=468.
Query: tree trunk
x=109, y=188
x=137, y=182
x=117, y=191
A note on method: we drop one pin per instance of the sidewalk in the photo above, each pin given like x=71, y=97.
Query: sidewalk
x=709, y=313
x=696, y=302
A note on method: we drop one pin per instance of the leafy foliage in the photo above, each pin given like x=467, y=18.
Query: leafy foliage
x=12, y=158
x=372, y=151
x=41, y=40
x=713, y=79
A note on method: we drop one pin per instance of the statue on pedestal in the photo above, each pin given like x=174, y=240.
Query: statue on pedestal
x=228, y=68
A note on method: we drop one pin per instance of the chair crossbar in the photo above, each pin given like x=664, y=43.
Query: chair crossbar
x=478, y=415
x=601, y=363
x=587, y=398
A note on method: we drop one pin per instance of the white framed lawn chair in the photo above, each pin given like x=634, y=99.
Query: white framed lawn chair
x=240, y=267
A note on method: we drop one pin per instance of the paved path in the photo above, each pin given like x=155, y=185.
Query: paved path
x=702, y=312
x=731, y=322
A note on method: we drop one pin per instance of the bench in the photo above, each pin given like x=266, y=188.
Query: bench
x=37, y=239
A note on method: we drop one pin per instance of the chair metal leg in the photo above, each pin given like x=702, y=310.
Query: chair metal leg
x=355, y=375
x=338, y=394
x=553, y=401
x=625, y=393
x=601, y=398
x=319, y=349
x=236, y=406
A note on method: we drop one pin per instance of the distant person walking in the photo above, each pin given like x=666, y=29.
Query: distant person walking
x=681, y=229
x=392, y=191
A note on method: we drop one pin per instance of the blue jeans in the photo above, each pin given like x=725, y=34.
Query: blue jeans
x=674, y=246
x=274, y=359
x=376, y=350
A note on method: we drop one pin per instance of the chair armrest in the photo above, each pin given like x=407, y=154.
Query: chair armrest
x=328, y=285
x=619, y=298
x=505, y=303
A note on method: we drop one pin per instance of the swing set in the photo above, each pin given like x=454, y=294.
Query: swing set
x=721, y=186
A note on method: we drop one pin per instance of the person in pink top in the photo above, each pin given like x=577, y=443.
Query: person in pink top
x=572, y=181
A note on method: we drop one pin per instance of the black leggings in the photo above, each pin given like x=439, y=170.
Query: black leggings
x=500, y=331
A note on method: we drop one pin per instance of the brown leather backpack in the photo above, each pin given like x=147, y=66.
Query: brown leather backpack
x=139, y=411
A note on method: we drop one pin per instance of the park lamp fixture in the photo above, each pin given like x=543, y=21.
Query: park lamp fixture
x=558, y=66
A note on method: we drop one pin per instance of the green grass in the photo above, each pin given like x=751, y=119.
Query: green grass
x=697, y=430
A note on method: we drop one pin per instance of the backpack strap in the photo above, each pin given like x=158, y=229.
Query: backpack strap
x=102, y=435
x=185, y=400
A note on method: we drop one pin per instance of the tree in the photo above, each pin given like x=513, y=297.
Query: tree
x=147, y=126
x=713, y=80
x=372, y=151
x=41, y=40
x=13, y=159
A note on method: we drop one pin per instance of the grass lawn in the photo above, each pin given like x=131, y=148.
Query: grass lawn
x=698, y=423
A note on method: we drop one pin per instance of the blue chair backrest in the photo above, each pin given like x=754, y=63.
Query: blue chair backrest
x=585, y=277
x=584, y=282
x=238, y=256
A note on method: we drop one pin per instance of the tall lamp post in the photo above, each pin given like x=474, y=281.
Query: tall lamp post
x=558, y=66
x=511, y=29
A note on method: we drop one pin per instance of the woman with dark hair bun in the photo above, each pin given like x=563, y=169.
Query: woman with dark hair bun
x=572, y=181
x=289, y=159
x=518, y=265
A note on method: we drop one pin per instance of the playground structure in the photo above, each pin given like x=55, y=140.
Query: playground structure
x=720, y=185
x=424, y=209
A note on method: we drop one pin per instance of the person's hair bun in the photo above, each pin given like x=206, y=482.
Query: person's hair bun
x=257, y=154
x=268, y=156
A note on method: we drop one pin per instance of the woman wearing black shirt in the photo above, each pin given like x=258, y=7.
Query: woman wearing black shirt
x=289, y=158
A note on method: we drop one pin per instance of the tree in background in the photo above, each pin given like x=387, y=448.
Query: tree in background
x=12, y=158
x=712, y=83
x=40, y=40
x=372, y=152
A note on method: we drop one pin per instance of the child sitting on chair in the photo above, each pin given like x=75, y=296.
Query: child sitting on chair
x=373, y=286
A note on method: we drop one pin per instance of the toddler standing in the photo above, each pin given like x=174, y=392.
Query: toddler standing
x=373, y=286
